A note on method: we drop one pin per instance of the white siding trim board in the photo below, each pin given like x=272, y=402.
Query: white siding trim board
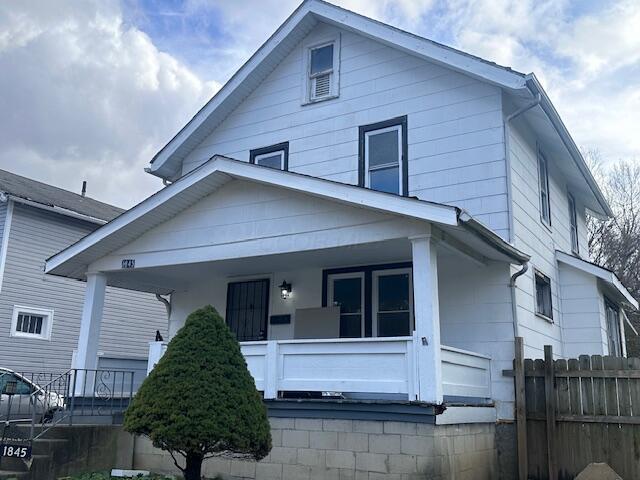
x=6, y=232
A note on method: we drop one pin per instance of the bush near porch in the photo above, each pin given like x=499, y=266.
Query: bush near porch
x=200, y=399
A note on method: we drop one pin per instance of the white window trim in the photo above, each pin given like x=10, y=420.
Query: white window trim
x=46, y=327
x=375, y=292
x=306, y=71
x=542, y=158
x=535, y=295
x=271, y=154
x=573, y=218
x=367, y=171
x=340, y=276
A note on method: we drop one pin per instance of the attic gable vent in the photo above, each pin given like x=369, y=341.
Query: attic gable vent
x=321, y=86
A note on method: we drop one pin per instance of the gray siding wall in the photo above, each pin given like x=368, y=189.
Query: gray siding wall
x=130, y=318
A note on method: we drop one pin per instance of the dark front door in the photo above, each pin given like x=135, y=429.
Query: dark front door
x=248, y=309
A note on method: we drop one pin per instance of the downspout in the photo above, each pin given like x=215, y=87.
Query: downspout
x=507, y=156
x=514, y=306
x=167, y=304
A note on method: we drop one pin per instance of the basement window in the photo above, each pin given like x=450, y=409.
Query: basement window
x=322, y=71
x=544, y=307
x=31, y=322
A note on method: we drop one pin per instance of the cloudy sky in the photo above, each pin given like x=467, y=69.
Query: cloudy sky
x=92, y=89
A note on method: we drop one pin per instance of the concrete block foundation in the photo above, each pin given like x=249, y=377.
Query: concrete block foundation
x=309, y=449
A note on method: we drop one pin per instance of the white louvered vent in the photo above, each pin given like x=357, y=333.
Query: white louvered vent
x=321, y=86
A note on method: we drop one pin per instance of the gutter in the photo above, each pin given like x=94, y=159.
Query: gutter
x=53, y=208
x=499, y=244
x=492, y=238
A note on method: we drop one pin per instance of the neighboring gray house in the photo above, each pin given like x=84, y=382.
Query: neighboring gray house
x=40, y=314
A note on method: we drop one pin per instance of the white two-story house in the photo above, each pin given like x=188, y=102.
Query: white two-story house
x=377, y=217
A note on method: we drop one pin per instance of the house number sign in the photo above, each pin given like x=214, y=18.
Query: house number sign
x=129, y=263
x=15, y=451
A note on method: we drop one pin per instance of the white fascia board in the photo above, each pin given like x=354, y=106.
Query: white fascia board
x=368, y=27
x=59, y=210
x=141, y=209
x=599, y=272
x=552, y=114
x=419, y=46
x=343, y=193
x=227, y=89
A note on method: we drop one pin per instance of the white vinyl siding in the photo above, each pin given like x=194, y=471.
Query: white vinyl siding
x=540, y=241
x=455, y=130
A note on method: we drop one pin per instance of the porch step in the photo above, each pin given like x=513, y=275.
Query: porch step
x=9, y=475
x=17, y=465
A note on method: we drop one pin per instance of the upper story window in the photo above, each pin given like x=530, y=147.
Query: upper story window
x=544, y=306
x=383, y=156
x=31, y=322
x=614, y=335
x=322, y=70
x=573, y=225
x=543, y=177
x=274, y=156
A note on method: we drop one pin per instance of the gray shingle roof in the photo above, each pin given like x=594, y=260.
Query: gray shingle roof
x=44, y=194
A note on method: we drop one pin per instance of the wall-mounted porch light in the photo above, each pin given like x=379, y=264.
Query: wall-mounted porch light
x=285, y=290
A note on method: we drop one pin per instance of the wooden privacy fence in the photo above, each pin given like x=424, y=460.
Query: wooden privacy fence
x=570, y=413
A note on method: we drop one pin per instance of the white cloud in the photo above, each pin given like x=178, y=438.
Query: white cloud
x=85, y=96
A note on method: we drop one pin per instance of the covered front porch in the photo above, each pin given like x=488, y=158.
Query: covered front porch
x=333, y=291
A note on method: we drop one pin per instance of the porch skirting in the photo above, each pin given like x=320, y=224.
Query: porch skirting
x=316, y=448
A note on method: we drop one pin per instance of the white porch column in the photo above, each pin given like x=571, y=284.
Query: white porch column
x=427, y=318
x=88, y=340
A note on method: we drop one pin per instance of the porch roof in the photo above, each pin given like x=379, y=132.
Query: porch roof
x=455, y=224
x=609, y=278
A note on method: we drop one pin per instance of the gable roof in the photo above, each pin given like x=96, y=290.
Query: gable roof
x=282, y=42
x=166, y=163
x=212, y=175
x=42, y=195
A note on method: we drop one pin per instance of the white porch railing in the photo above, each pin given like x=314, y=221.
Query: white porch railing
x=355, y=365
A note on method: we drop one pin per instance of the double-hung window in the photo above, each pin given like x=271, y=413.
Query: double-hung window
x=573, y=225
x=274, y=156
x=543, y=177
x=383, y=156
x=31, y=322
x=544, y=306
x=613, y=328
x=322, y=70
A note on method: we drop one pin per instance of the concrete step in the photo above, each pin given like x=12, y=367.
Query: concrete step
x=9, y=475
x=18, y=465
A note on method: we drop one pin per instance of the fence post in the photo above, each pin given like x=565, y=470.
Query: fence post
x=271, y=370
x=521, y=410
x=550, y=402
